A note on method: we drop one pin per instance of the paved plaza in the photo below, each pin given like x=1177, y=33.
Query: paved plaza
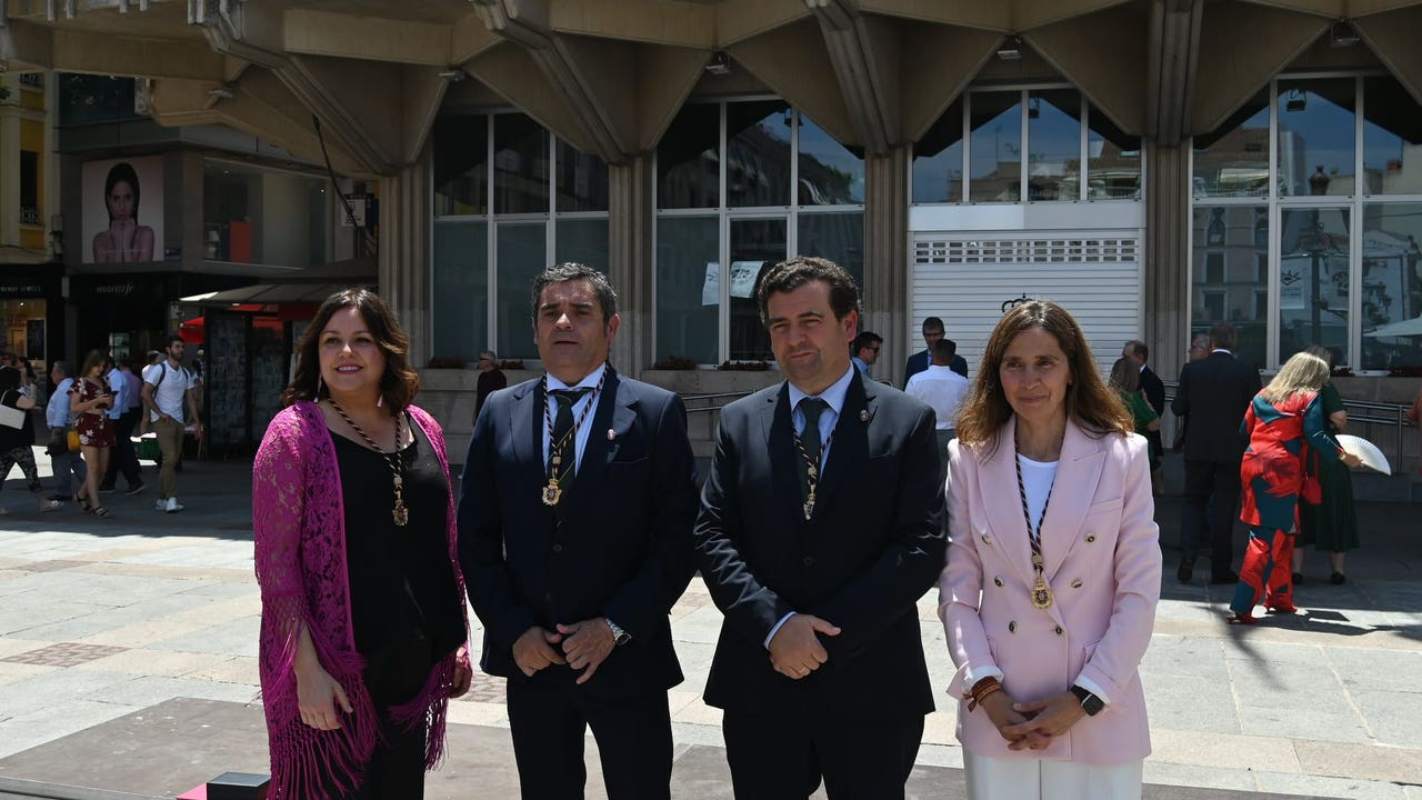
x=128, y=664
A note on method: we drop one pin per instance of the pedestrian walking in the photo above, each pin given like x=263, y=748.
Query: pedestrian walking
x=124, y=417
x=1331, y=524
x=943, y=390
x=1049, y=596
x=1153, y=388
x=933, y=331
x=491, y=379
x=90, y=399
x=866, y=349
x=68, y=466
x=17, y=437
x=820, y=528
x=575, y=542
x=1126, y=381
x=1214, y=392
x=363, y=629
x=1286, y=426
x=172, y=405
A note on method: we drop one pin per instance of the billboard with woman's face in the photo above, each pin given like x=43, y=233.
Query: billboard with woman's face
x=123, y=211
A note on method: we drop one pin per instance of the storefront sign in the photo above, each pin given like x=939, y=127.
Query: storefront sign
x=1294, y=285
x=11, y=290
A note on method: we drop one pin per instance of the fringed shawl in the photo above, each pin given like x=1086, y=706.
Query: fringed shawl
x=298, y=522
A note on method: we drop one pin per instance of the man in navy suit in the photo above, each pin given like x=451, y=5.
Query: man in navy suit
x=574, y=529
x=819, y=665
x=918, y=362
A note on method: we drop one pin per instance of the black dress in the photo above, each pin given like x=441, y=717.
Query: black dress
x=405, y=606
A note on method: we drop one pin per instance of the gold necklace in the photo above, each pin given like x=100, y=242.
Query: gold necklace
x=401, y=513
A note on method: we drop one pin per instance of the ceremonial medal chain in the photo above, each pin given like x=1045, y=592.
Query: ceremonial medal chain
x=553, y=492
x=1041, y=591
x=812, y=472
x=401, y=513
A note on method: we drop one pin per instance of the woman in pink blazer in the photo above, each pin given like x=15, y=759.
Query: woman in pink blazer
x=1053, y=571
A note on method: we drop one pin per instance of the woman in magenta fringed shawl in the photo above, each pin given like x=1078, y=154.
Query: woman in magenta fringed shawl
x=364, y=633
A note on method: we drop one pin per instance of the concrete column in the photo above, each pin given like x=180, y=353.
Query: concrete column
x=404, y=265
x=631, y=261
x=886, y=259
x=1167, y=272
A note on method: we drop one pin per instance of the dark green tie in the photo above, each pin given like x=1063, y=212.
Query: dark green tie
x=812, y=408
x=563, y=426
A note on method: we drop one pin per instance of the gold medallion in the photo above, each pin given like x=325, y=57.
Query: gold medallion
x=401, y=514
x=552, y=493
x=1041, y=594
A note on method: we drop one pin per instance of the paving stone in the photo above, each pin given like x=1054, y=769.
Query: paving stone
x=237, y=637
x=1202, y=777
x=63, y=654
x=9, y=673
x=1220, y=750
x=53, y=722
x=150, y=690
x=1185, y=656
x=1315, y=786
x=1385, y=670
x=1188, y=703
x=1303, y=723
x=52, y=690
x=1359, y=761
x=1244, y=649
x=157, y=662
x=1395, y=718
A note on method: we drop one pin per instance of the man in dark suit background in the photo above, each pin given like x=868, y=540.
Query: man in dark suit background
x=574, y=526
x=918, y=362
x=819, y=530
x=1215, y=392
x=1154, y=390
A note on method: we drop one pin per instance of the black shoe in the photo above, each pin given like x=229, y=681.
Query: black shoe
x=1222, y=578
x=136, y=489
x=1184, y=572
x=1298, y=578
x=1338, y=579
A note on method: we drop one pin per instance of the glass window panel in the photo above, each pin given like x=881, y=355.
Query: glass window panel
x=1113, y=167
x=1224, y=277
x=758, y=153
x=756, y=245
x=938, y=159
x=461, y=165
x=1392, y=138
x=1392, y=286
x=1233, y=159
x=521, y=258
x=583, y=241
x=255, y=216
x=520, y=165
x=838, y=237
x=1054, y=145
x=460, y=289
x=688, y=289
x=1313, y=281
x=688, y=164
x=582, y=180
x=830, y=173
x=995, y=119
x=1316, y=137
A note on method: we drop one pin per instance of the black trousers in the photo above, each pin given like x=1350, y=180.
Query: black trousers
x=1211, y=500
x=783, y=757
x=124, y=457
x=548, y=718
x=396, y=770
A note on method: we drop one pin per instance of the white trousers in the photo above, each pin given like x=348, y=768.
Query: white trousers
x=1035, y=779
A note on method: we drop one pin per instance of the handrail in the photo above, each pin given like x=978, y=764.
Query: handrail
x=716, y=401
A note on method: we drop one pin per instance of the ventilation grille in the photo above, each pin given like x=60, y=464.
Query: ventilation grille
x=1025, y=251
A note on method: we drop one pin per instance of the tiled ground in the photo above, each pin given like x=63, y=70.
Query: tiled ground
x=102, y=619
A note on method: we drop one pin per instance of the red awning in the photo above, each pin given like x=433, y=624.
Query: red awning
x=193, y=331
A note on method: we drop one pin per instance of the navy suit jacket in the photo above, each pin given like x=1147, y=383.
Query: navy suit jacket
x=873, y=546
x=618, y=545
x=918, y=362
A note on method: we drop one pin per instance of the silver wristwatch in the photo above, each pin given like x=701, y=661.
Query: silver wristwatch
x=619, y=636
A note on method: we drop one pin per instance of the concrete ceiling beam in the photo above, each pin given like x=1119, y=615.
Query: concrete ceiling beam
x=30, y=45
x=665, y=78
x=326, y=33
x=865, y=53
x=1174, y=57
x=1393, y=38
x=26, y=46
x=1338, y=9
x=992, y=16
x=939, y=61
x=739, y=20
x=794, y=62
x=1235, y=62
x=647, y=21
x=1105, y=55
x=511, y=72
x=1029, y=14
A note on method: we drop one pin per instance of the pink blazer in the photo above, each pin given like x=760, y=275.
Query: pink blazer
x=1101, y=548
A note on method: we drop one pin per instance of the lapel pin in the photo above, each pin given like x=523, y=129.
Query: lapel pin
x=611, y=435
x=864, y=415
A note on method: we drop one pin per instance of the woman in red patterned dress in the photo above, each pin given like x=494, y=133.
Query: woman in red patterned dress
x=90, y=398
x=1283, y=423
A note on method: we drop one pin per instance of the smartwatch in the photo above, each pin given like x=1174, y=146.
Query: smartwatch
x=621, y=637
x=1090, y=703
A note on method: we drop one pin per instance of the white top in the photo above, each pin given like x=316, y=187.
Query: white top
x=834, y=397
x=172, y=385
x=942, y=389
x=123, y=392
x=57, y=412
x=1037, y=477
x=580, y=443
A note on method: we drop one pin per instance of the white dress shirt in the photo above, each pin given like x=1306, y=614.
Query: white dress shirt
x=580, y=442
x=942, y=389
x=834, y=397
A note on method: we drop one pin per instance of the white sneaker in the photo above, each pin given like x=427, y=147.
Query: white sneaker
x=172, y=506
x=161, y=504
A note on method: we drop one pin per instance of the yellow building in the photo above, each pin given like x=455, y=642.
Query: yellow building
x=29, y=276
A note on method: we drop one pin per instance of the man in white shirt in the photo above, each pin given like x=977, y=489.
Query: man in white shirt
x=167, y=389
x=124, y=416
x=942, y=389
x=57, y=414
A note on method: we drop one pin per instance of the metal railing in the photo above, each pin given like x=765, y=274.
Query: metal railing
x=711, y=405
x=1393, y=415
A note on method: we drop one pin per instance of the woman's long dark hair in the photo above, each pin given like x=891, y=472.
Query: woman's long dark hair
x=398, y=385
x=1092, y=406
x=122, y=172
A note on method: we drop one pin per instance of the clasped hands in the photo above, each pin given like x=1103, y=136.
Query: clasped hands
x=1032, y=726
x=581, y=645
x=795, y=650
